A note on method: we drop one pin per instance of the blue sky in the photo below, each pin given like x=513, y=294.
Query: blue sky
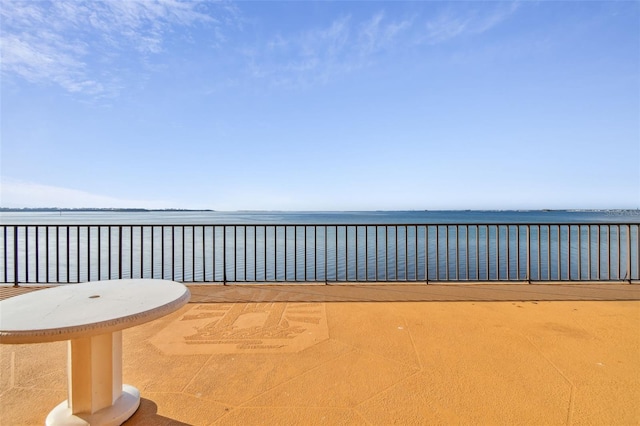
x=320, y=105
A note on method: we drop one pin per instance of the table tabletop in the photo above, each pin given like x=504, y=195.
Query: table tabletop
x=72, y=311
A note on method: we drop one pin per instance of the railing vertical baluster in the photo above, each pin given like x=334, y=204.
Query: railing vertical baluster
x=415, y=252
x=141, y=252
x=498, y=252
x=153, y=235
x=120, y=252
x=619, y=255
x=244, y=233
x=528, y=230
x=285, y=252
x=517, y=245
x=608, y=228
x=589, y=267
x=162, y=255
x=395, y=257
x=508, y=244
x=628, y=271
x=559, y=253
x=518, y=231
x=326, y=254
x=213, y=253
x=569, y=252
x=487, y=229
x=6, y=257
x=549, y=252
x=578, y=244
x=477, y=234
x=109, y=230
x=235, y=252
x=304, y=264
x=539, y=234
x=130, y=251
x=26, y=254
x=386, y=253
x=406, y=252
x=426, y=254
x=275, y=253
x=224, y=255
x=466, y=234
x=456, y=257
x=57, y=246
x=183, y=252
x=437, y=253
x=446, y=252
x=377, y=228
x=336, y=252
x=16, y=277
x=346, y=253
x=204, y=259
x=77, y=253
x=255, y=253
x=88, y=253
x=598, y=235
x=46, y=252
x=356, y=244
x=193, y=253
x=37, y=242
x=172, y=229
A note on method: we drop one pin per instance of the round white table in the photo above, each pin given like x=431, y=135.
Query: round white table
x=91, y=316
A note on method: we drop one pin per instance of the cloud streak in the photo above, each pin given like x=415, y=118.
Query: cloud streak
x=317, y=55
x=19, y=194
x=86, y=47
x=448, y=25
x=70, y=43
x=346, y=45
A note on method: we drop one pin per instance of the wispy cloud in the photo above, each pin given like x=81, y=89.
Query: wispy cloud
x=20, y=194
x=70, y=43
x=345, y=44
x=316, y=55
x=450, y=23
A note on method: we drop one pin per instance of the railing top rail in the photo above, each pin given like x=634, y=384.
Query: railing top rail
x=319, y=224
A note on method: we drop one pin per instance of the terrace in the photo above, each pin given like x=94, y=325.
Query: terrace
x=366, y=354
x=351, y=324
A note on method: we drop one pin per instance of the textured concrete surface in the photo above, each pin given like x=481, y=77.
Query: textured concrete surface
x=370, y=355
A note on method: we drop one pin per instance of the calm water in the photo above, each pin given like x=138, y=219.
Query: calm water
x=265, y=246
x=367, y=217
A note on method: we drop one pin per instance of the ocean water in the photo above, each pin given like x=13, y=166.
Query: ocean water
x=357, y=217
x=204, y=246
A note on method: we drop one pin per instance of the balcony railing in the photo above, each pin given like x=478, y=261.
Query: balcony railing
x=321, y=253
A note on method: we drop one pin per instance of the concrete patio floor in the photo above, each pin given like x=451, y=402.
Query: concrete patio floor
x=496, y=354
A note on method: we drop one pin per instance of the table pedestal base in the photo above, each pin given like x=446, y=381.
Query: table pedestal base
x=114, y=415
x=96, y=394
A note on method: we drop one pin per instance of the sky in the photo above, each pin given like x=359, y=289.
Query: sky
x=320, y=105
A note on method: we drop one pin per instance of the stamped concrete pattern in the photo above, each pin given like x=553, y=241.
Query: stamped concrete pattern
x=305, y=355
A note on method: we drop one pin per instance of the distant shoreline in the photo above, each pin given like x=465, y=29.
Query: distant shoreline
x=143, y=210
x=88, y=209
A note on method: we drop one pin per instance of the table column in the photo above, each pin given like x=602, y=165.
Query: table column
x=96, y=395
x=95, y=372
